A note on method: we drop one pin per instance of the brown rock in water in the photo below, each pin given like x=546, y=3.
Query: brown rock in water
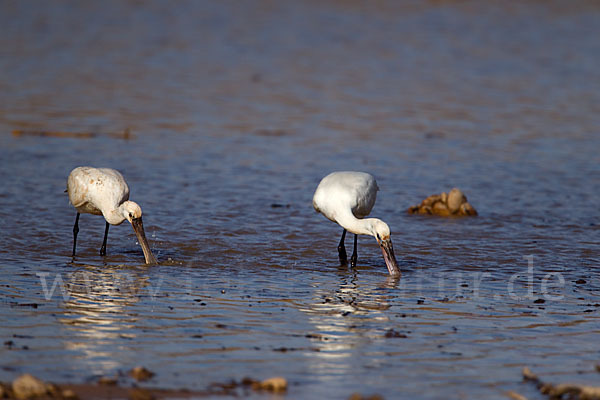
x=276, y=385
x=27, y=386
x=445, y=204
x=141, y=374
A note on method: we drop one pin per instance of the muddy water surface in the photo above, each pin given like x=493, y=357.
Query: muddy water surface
x=236, y=110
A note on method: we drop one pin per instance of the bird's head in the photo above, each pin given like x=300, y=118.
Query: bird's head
x=131, y=211
x=381, y=231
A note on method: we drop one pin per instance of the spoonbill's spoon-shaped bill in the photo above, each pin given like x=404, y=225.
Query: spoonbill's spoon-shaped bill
x=346, y=197
x=103, y=191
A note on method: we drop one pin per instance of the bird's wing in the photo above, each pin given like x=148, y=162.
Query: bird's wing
x=76, y=187
x=364, y=196
x=341, y=190
x=112, y=187
x=97, y=188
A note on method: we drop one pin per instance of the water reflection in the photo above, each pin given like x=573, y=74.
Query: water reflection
x=97, y=313
x=343, y=319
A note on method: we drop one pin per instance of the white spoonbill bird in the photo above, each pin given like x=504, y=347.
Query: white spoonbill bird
x=103, y=191
x=346, y=197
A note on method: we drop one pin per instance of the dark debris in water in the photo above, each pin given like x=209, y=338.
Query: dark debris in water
x=32, y=305
x=391, y=333
x=271, y=132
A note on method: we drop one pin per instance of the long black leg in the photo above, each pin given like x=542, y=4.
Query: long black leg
x=354, y=254
x=342, y=249
x=75, y=232
x=103, y=248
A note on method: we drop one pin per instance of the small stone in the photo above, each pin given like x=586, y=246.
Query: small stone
x=27, y=386
x=141, y=374
x=68, y=394
x=440, y=208
x=105, y=380
x=528, y=375
x=444, y=197
x=455, y=199
x=276, y=384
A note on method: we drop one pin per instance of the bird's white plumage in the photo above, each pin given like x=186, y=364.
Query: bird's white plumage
x=98, y=191
x=341, y=191
x=346, y=197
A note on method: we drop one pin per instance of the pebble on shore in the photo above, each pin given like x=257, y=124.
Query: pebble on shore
x=27, y=386
x=445, y=204
x=141, y=374
x=276, y=384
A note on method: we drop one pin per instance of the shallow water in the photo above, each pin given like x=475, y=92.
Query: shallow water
x=236, y=107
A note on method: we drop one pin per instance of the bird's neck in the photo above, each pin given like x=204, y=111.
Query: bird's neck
x=354, y=225
x=115, y=216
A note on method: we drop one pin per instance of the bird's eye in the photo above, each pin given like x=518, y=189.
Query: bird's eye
x=130, y=215
x=378, y=237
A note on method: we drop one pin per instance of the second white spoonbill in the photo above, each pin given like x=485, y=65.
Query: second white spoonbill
x=103, y=191
x=346, y=197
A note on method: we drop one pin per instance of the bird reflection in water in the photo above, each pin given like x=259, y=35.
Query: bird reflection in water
x=343, y=319
x=98, y=314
